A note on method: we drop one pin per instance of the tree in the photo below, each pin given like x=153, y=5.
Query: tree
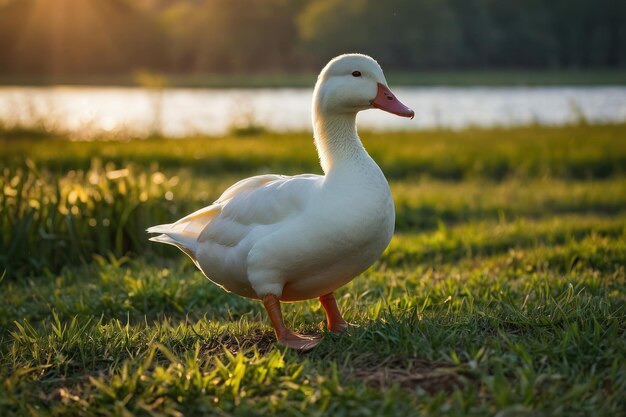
x=402, y=33
x=56, y=37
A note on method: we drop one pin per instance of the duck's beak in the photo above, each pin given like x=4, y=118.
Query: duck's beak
x=385, y=100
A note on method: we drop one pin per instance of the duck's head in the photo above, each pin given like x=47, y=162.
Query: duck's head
x=354, y=82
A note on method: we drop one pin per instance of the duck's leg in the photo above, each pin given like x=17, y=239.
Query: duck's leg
x=283, y=334
x=336, y=323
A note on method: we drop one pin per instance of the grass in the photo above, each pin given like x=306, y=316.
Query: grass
x=575, y=152
x=502, y=292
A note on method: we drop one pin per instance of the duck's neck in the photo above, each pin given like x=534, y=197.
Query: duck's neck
x=336, y=139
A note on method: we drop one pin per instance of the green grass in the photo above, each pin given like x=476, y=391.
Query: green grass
x=502, y=293
x=571, y=153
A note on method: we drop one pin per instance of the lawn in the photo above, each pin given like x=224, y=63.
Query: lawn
x=502, y=293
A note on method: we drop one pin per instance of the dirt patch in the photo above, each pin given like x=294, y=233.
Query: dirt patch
x=263, y=340
x=432, y=377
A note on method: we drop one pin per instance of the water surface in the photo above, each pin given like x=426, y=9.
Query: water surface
x=180, y=112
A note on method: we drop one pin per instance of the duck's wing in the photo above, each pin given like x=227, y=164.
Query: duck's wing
x=264, y=199
x=195, y=222
x=248, y=184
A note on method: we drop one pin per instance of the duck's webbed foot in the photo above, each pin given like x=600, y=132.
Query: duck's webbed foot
x=298, y=341
x=283, y=334
x=336, y=322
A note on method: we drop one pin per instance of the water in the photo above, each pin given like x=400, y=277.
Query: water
x=178, y=112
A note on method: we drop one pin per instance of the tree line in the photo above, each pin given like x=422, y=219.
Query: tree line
x=72, y=37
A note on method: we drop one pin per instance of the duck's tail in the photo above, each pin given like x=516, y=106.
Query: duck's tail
x=184, y=233
x=169, y=235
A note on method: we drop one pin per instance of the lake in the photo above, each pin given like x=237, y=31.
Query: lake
x=87, y=111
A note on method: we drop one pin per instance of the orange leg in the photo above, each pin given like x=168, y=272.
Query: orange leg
x=283, y=334
x=336, y=323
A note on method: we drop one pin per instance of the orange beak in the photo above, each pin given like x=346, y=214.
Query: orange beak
x=385, y=100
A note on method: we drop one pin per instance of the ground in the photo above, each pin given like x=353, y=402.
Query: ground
x=502, y=292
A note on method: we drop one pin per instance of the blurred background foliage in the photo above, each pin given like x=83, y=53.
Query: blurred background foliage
x=91, y=37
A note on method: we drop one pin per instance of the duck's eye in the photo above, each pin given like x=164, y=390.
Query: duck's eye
x=356, y=73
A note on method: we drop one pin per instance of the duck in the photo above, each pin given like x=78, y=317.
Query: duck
x=278, y=238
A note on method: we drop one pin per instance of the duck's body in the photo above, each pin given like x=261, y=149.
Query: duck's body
x=296, y=237
x=283, y=238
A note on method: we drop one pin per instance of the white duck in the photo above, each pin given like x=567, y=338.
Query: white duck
x=279, y=238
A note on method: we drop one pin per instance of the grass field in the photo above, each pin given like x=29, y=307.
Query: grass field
x=502, y=293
